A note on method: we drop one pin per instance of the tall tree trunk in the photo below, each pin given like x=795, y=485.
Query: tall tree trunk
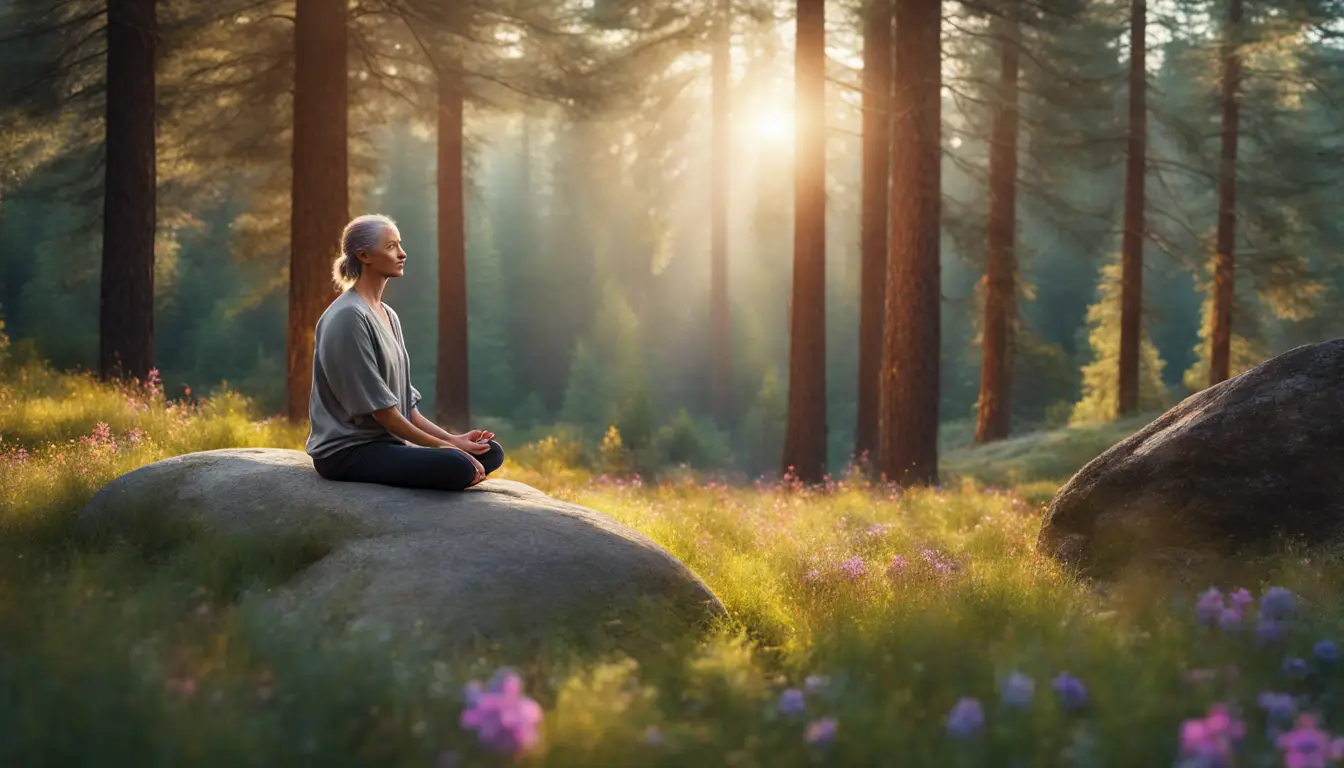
x=720, y=348
x=126, y=289
x=1131, y=247
x=994, y=416
x=1220, y=340
x=452, y=388
x=873, y=222
x=320, y=189
x=908, y=445
x=805, y=435
x=527, y=324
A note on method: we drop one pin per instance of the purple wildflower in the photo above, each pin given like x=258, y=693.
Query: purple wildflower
x=1268, y=631
x=1277, y=603
x=897, y=566
x=1326, y=651
x=935, y=562
x=966, y=718
x=791, y=702
x=1229, y=620
x=1018, y=690
x=854, y=567
x=877, y=529
x=821, y=731
x=812, y=575
x=1072, y=693
x=1242, y=599
x=1277, y=706
x=1212, y=739
x=1209, y=606
x=1307, y=746
x=504, y=719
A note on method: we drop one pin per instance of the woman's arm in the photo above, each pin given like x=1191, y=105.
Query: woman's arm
x=397, y=424
x=425, y=425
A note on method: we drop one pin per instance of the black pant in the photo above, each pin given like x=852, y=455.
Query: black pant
x=406, y=466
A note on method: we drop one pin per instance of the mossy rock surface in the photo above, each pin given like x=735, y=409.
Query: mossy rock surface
x=500, y=562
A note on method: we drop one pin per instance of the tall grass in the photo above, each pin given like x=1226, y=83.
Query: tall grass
x=884, y=609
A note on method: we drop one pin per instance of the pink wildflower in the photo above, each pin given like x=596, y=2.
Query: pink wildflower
x=1213, y=738
x=1307, y=746
x=504, y=719
x=822, y=731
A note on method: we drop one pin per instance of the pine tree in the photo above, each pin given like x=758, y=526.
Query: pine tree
x=877, y=56
x=720, y=334
x=908, y=446
x=1101, y=398
x=805, y=438
x=1136, y=135
x=994, y=412
x=126, y=296
x=319, y=191
x=1220, y=338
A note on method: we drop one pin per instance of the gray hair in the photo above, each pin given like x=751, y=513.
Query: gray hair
x=361, y=234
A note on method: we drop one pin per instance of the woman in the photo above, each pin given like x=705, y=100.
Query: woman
x=365, y=424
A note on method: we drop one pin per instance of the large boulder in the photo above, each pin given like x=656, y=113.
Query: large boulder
x=498, y=562
x=1245, y=465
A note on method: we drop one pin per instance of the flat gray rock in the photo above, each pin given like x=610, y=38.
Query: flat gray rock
x=1250, y=463
x=496, y=562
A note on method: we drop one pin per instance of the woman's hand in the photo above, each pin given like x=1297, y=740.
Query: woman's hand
x=474, y=442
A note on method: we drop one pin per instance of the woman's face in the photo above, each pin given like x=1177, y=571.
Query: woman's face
x=387, y=259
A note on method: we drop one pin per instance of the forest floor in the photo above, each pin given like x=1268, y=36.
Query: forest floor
x=867, y=627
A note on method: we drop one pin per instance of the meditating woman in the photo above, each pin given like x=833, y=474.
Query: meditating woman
x=365, y=426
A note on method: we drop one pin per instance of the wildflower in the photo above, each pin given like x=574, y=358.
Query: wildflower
x=812, y=575
x=966, y=718
x=1212, y=738
x=1072, y=693
x=1229, y=620
x=1277, y=706
x=1277, y=603
x=1018, y=690
x=504, y=719
x=815, y=684
x=854, y=567
x=821, y=731
x=876, y=529
x=1326, y=651
x=1268, y=631
x=897, y=566
x=937, y=563
x=1209, y=606
x=1241, y=599
x=791, y=702
x=1307, y=746
x=1295, y=668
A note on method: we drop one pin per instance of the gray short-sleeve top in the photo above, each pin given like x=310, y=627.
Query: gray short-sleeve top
x=359, y=366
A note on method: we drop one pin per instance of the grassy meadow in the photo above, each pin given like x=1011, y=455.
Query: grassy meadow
x=867, y=626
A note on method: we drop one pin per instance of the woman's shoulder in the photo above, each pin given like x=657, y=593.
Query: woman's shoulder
x=347, y=310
